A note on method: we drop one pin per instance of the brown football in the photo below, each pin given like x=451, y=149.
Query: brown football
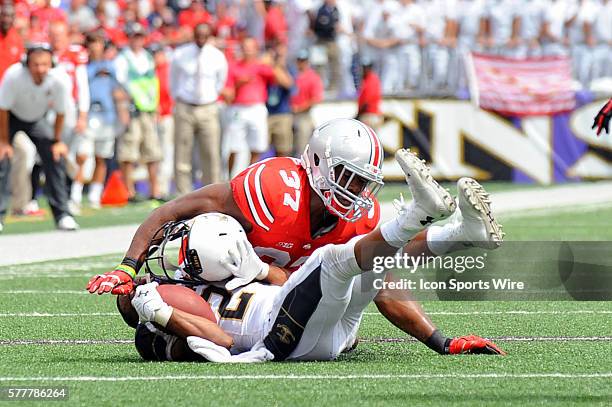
x=187, y=300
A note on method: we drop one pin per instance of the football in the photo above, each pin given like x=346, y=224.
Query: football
x=185, y=299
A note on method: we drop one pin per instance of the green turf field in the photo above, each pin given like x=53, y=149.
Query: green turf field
x=135, y=213
x=559, y=353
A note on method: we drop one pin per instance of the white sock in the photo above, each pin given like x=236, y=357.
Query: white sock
x=76, y=192
x=444, y=239
x=95, y=192
x=401, y=229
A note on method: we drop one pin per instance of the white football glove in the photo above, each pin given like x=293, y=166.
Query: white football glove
x=150, y=306
x=244, y=264
x=218, y=354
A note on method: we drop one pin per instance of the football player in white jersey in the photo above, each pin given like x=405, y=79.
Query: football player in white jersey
x=440, y=15
x=315, y=315
x=503, y=25
x=602, y=33
x=582, y=40
x=532, y=14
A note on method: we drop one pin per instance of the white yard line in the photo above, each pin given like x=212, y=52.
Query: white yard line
x=18, y=342
x=493, y=375
x=56, y=315
x=38, y=292
x=444, y=313
x=44, y=246
x=588, y=312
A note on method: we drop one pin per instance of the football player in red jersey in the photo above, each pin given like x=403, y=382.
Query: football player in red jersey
x=289, y=208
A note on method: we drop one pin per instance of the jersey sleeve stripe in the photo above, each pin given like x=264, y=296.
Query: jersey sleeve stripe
x=247, y=193
x=259, y=193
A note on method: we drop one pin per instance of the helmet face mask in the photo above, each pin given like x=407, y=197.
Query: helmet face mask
x=204, y=248
x=343, y=161
x=159, y=256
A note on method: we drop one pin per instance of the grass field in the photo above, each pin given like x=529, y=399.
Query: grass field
x=559, y=353
x=135, y=213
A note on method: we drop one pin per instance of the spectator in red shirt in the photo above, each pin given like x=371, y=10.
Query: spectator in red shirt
x=48, y=14
x=369, y=96
x=309, y=92
x=114, y=34
x=246, y=89
x=194, y=15
x=226, y=21
x=275, y=25
x=11, y=44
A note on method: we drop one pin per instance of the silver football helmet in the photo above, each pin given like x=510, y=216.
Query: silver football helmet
x=343, y=160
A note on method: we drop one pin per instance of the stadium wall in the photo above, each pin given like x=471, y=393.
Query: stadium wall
x=459, y=139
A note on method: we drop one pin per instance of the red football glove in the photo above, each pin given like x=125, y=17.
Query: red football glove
x=118, y=282
x=602, y=120
x=473, y=344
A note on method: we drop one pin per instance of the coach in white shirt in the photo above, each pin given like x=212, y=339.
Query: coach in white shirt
x=27, y=92
x=197, y=75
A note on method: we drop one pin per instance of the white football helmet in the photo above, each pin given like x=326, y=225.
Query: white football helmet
x=343, y=160
x=204, y=242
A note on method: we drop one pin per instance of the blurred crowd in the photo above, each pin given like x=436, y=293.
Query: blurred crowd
x=183, y=86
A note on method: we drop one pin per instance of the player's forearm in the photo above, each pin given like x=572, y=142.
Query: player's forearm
x=277, y=276
x=4, y=126
x=404, y=312
x=183, y=324
x=58, y=127
x=212, y=198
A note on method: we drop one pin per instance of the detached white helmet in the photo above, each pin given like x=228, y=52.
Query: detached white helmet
x=343, y=160
x=204, y=241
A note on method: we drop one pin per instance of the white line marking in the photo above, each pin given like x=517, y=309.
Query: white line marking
x=79, y=292
x=588, y=312
x=552, y=375
x=60, y=315
x=13, y=342
x=507, y=339
x=67, y=342
x=446, y=313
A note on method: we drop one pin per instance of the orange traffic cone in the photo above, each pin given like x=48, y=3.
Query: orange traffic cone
x=115, y=193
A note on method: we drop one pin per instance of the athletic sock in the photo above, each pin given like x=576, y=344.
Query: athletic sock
x=95, y=192
x=76, y=192
x=444, y=239
x=401, y=229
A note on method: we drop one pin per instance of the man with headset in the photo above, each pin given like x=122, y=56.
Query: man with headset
x=28, y=90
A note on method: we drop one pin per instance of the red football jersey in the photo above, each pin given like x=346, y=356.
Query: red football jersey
x=74, y=56
x=274, y=195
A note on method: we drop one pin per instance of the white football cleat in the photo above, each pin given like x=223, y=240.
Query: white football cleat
x=1, y=227
x=431, y=201
x=67, y=223
x=478, y=225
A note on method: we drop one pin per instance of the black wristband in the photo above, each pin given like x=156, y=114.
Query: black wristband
x=131, y=262
x=438, y=342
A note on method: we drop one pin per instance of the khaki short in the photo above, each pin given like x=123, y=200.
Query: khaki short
x=280, y=127
x=141, y=141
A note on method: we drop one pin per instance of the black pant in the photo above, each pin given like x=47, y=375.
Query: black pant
x=41, y=134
